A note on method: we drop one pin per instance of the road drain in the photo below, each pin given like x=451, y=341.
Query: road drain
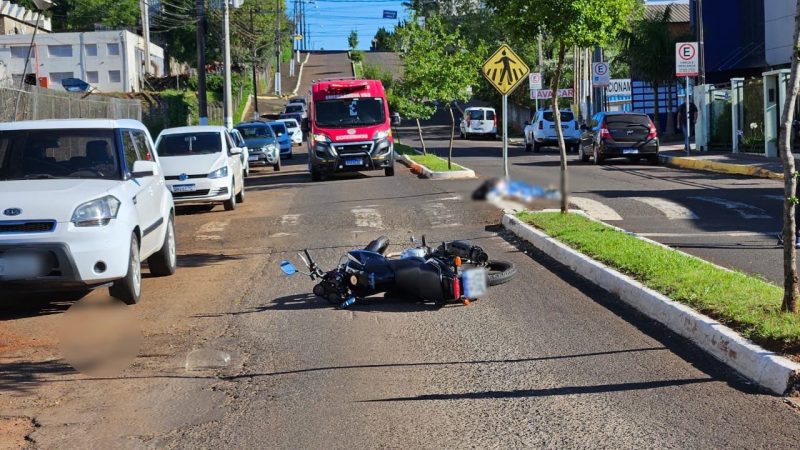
x=204, y=359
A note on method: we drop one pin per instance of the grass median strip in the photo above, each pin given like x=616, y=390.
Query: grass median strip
x=746, y=303
x=430, y=161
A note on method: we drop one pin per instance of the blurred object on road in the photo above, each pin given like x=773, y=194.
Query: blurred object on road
x=531, y=196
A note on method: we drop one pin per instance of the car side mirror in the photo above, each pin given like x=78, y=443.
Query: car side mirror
x=396, y=119
x=236, y=151
x=144, y=168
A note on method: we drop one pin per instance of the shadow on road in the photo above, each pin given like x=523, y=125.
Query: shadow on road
x=21, y=377
x=550, y=392
x=21, y=305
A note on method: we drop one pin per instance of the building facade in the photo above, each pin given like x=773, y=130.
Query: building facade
x=110, y=61
x=15, y=19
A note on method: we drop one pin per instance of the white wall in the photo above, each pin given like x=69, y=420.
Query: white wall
x=88, y=56
x=778, y=30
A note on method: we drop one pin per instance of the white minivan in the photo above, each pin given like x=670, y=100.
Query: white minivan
x=82, y=203
x=202, y=165
x=541, y=131
x=479, y=121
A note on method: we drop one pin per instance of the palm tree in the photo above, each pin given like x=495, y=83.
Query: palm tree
x=649, y=49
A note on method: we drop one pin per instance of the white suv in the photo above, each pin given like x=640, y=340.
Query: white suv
x=82, y=203
x=479, y=121
x=542, y=130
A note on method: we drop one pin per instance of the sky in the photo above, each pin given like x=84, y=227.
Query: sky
x=330, y=21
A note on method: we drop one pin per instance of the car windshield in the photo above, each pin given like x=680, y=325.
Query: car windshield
x=189, y=144
x=59, y=153
x=346, y=112
x=566, y=116
x=256, y=131
x=278, y=127
x=475, y=114
x=290, y=124
x=293, y=108
x=627, y=120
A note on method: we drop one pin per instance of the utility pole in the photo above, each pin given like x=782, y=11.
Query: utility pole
x=145, y=7
x=700, y=39
x=202, y=106
x=255, y=59
x=226, y=61
x=278, y=47
x=541, y=67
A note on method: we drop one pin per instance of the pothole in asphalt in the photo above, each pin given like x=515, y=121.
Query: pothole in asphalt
x=205, y=359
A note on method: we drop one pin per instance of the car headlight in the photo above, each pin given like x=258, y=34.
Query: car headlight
x=269, y=148
x=321, y=138
x=222, y=172
x=381, y=134
x=97, y=212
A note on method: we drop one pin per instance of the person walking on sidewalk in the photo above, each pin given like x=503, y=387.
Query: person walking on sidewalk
x=682, y=116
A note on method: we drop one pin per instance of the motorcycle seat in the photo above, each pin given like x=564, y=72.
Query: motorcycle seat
x=379, y=245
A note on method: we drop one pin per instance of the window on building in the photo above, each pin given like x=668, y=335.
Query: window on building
x=92, y=77
x=114, y=76
x=20, y=52
x=59, y=51
x=113, y=49
x=56, y=77
x=91, y=49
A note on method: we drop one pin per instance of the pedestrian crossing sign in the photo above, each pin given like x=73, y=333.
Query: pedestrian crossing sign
x=504, y=69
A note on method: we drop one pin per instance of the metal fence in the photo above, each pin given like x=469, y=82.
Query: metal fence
x=38, y=103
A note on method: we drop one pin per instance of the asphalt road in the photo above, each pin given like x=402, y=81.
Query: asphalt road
x=544, y=361
x=730, y=220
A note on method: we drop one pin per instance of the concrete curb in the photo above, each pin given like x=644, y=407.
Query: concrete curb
x=684, y=162
x=300, y=75
x=428, y=173
x=767, y=369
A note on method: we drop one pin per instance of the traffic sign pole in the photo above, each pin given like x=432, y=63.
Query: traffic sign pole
x=688, y=128
x=505, y=136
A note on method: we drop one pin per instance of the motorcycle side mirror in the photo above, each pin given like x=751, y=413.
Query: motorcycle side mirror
x=288, y=268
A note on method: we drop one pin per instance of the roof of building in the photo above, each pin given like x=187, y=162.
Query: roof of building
x=24, y=15
x=680, y=12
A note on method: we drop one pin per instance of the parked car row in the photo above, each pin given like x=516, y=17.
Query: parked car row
x=629, y=135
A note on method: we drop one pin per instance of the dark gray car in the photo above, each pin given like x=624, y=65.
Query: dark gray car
x=261, y=143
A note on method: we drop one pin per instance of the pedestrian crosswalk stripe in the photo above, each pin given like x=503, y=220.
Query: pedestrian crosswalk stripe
x=745, y=210
x=672, y=210
x=594, y=208
x=368, y=218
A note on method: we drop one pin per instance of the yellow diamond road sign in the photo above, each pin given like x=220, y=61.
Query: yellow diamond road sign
x=504, y=69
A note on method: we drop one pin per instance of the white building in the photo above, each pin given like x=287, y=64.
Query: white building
x=110, y=61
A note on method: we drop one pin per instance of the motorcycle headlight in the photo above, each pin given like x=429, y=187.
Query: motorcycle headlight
x=97, y=212
x=381, y=134
x=222, y=172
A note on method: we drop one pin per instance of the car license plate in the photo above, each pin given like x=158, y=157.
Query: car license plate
x=183, y=188
x=630, y=151
x=473, y=282
x=21, y=266
x=352, y=162
x=253, y=158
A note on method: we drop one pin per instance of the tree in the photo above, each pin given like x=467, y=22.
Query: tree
x=352, y=40
x=649, y=49
x=790, y=281
x=438, y=66
x=569, y=23
x=383, y=41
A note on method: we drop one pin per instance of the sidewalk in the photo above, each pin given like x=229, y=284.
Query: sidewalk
x=747, y=164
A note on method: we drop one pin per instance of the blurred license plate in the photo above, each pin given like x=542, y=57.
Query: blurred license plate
x=352, y=162
x=253, y=158
x=474, y=283
x=183, y=188
x=22, y=266
x=630, y=151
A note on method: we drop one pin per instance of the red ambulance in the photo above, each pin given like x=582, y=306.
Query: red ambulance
x=349, y=128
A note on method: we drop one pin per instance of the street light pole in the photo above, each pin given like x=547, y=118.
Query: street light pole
x=226, y=31
x=202, y=105
x=278, y=48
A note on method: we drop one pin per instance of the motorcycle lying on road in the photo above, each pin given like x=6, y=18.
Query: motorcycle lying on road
x=455, y=271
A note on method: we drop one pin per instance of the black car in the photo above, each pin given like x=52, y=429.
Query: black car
x=619, y=135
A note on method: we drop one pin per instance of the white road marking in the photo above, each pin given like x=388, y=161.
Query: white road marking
x=281, y=234
x=710, y=234
x=290, y=219
x=368, y=218
x=445, y=199
x=669, y=208
x=594, y=208
x=210, y=231
x=438, y=214
x=743, y=209
x=774, y=197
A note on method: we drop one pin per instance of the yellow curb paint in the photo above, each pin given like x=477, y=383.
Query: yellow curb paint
x=713, y=166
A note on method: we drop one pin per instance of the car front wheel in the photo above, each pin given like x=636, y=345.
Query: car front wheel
x=230, y=204
x=129, y=288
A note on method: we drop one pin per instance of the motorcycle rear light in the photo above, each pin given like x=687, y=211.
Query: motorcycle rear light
x=456, y=288
x=653, y=132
